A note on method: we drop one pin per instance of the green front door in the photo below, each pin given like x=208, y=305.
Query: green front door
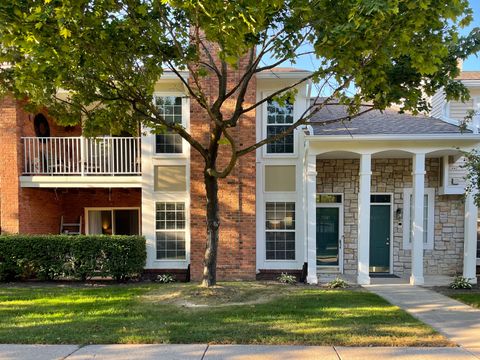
x=328, y=221
x=380, y=238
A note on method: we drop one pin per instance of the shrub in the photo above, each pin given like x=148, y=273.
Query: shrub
x=459, y=282
x=165, y=279
x=285, y=278
x=48, y=257
x=337, y=284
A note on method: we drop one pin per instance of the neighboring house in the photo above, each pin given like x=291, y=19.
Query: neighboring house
x=350, y=198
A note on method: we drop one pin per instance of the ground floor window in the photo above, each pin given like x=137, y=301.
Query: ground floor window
x=428, y=218
x=280, y=230
x=170, y=224
x=113, y=221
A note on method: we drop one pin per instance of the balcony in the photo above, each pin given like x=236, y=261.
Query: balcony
x=81, y=162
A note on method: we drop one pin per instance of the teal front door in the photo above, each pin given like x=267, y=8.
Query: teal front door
x=380, y=238
x=328, y=235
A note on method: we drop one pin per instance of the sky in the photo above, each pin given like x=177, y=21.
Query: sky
x=473, y=62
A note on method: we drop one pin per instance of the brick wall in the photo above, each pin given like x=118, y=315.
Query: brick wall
x=392, y=176
x=237, y=244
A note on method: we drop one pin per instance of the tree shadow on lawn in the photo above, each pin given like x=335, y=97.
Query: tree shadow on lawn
x=310, y=316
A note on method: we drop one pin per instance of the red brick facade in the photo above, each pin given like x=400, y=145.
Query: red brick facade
x=35, y=210
x=237, y=244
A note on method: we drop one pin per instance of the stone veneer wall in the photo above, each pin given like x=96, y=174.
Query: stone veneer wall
x=392, y=176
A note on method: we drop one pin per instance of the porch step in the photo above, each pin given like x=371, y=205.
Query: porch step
x=328, y=270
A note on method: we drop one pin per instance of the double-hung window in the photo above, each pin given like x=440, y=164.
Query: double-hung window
x=170, y=108
x=280, y=230
x=428, y=218
x=279, y=119
x=170, y=224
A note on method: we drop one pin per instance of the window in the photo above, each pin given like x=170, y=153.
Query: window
x=329, y=198
x=279, y=118
x=170, y=230
x=170, y=108
x=113, y=222
x=280, y=230
x=428, y=218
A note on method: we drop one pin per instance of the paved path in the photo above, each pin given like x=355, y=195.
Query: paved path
x=227, y=352
x=458, y=322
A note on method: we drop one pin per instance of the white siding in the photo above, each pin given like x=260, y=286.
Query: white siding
x=437, y=104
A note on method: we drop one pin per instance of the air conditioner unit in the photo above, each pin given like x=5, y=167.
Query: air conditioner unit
x=452, y=175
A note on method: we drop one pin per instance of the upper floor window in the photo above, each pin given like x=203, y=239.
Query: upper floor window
x=170, y=108
x=279, y=118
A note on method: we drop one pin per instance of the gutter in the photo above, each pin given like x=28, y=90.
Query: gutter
x=403, y=137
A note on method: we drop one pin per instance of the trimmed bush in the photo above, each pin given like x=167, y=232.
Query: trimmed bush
x=48, y=257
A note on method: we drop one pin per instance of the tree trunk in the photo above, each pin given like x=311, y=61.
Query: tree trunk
x=213, y=224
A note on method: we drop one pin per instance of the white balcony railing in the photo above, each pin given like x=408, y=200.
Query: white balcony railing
x=81, y=156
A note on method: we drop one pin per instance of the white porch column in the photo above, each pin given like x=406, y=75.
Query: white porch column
x=311, y=167
x=470, y=239
x=418, y=174
x=363, y=250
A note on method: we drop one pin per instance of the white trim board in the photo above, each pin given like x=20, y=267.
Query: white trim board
x=77, y=181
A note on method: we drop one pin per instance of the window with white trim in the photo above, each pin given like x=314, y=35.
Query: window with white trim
x=170, y=108
x=170, y=224
x=428, y=218
x=280, y=230
x=279, y=118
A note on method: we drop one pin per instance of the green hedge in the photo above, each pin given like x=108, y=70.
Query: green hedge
x=49, y=257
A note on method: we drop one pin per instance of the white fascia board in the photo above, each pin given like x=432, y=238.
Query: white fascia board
x=170, y=75
x=41, y=181
x=283, y=75
x=392, y=137
x=471, y=83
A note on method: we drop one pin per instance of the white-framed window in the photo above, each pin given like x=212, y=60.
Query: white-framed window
x=170, y=230
x=280, y=230
x=428, y=218
x=112, y=221
x=171, y=109
x=279, y=118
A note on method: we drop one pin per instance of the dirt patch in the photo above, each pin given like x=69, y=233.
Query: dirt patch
x=225, y=294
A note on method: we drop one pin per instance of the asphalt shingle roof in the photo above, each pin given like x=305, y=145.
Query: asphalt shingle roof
x=469, y=75
x=388, y=122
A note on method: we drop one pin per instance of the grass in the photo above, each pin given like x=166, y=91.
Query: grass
x=470, y=297
x=153, y=313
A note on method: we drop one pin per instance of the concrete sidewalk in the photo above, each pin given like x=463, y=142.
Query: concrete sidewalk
x=458, y=322
x=230, y=352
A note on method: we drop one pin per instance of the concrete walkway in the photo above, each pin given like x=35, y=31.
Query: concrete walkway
x=458, y=322
x=228, y=352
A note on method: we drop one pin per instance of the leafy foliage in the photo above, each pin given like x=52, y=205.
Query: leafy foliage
x=460, y=282
x=286, y=278
x=337, y=284
x=49, y=257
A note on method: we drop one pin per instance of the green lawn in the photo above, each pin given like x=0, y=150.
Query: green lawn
x=154, y=313
x=470, y=298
